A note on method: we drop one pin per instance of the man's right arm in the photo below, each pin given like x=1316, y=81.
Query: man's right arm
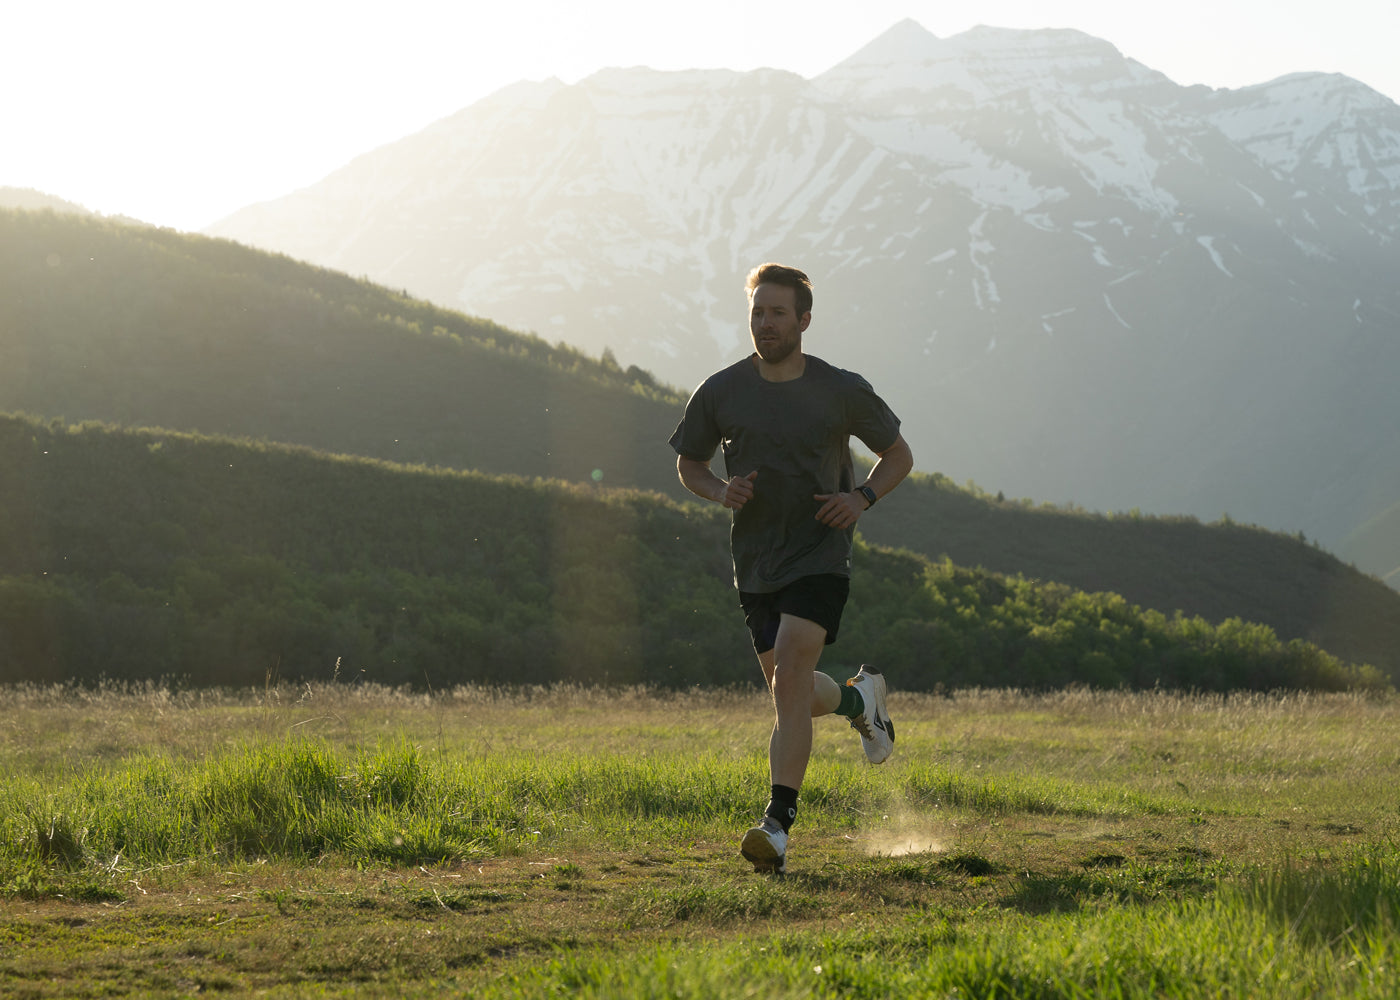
x=700, y=479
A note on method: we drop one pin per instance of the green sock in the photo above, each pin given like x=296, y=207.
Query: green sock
x=852, y=704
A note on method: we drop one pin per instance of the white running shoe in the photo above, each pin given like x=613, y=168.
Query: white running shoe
x=765, y=846
x=874, y=725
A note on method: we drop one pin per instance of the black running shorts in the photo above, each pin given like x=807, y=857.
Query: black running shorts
x=819, y=599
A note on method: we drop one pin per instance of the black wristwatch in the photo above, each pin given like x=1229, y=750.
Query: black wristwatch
x=869, y=495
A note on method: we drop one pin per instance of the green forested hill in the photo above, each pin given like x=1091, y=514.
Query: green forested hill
x=139, y=326
x=1216, y=571
x=147, y=554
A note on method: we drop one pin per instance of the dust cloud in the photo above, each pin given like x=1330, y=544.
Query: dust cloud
x=899, y=834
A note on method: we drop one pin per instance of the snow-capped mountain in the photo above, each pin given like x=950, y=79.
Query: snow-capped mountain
x=1073, y=279
x=1332, y=138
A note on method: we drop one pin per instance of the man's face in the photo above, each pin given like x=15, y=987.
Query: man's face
x=774, y=323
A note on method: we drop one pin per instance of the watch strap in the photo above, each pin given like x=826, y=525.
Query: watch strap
x=869, y=495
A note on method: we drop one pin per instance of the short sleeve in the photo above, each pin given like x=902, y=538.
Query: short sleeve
x=697, y=436
x=871, y=419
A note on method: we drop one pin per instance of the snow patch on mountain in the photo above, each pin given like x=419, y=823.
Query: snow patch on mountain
x=1114, y=312
x=1208, y=242
x=1288, y=119
x=980, y=251
x=1335, y=136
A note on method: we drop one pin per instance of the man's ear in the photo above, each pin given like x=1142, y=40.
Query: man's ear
x=802, y=323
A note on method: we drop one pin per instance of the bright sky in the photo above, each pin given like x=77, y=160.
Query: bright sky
x=179, y=112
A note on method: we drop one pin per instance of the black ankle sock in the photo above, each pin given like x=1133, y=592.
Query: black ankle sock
x=852, y=704
x=783, y=806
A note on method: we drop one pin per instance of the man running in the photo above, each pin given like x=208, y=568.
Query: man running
x=784, y=420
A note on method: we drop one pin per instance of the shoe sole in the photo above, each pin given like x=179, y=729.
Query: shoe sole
x=758, y=851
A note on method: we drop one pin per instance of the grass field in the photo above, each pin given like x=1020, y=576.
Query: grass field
x=363, y=841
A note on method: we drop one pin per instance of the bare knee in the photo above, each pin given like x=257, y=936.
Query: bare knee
x=798, y=648
x=791, y=682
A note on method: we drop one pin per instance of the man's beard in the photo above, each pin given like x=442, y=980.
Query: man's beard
x=777, y=352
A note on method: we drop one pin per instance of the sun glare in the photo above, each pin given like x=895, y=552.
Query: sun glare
x=180, y=114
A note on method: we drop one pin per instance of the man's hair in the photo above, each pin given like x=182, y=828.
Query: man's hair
x=789, y=277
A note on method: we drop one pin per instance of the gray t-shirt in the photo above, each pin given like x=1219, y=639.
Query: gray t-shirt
x=797, y=435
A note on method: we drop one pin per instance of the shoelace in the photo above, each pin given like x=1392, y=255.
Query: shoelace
x=861, y=725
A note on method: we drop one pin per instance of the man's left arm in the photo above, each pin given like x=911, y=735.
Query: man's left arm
x=842, y=510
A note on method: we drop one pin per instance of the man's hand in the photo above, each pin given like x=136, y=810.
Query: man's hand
x=840, y=510
x=697, y=477
x=738, y=491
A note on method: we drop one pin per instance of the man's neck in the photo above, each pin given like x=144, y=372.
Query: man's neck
x=791, y=367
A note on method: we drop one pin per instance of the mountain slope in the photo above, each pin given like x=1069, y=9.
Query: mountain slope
x=30, y=200
x=1335, y=141
x=1377, y=542
x=1151, y=296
